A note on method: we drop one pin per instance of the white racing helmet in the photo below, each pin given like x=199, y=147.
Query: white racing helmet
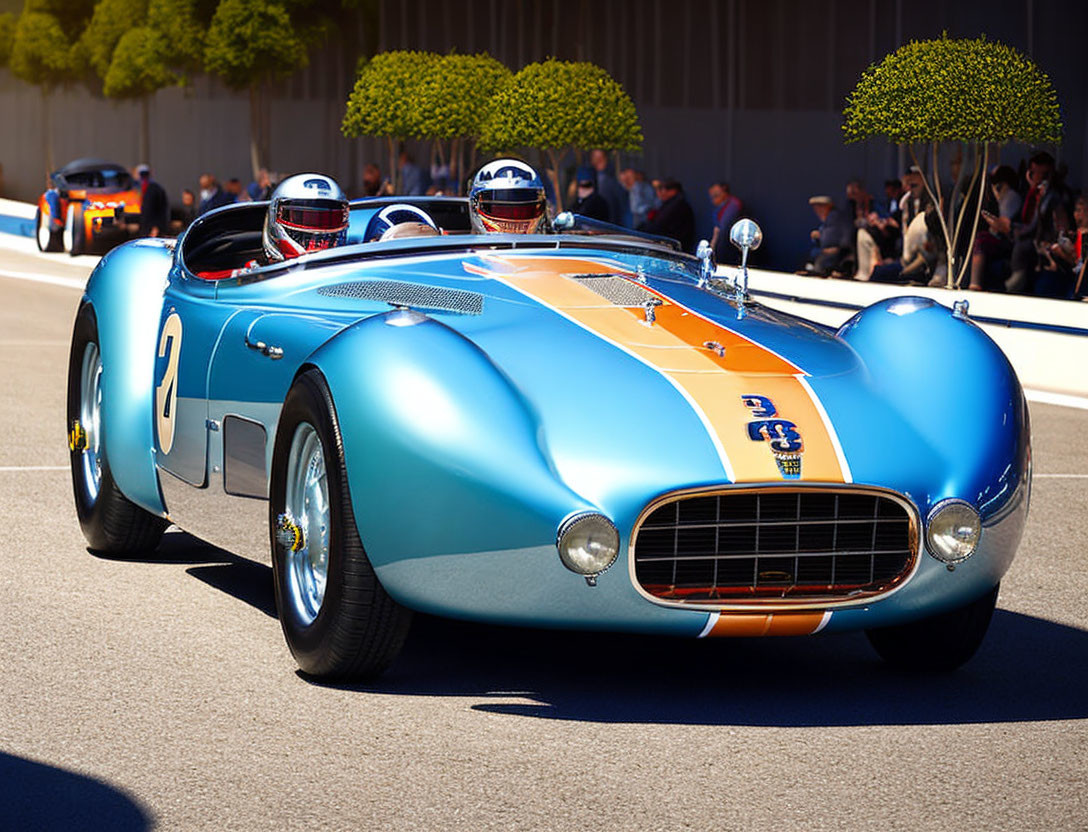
x=507, y=197
x=307, y=212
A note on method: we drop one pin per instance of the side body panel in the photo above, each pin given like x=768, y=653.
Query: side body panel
x=126, y=290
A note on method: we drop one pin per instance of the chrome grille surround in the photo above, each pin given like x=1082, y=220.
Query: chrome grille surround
x=895, y=519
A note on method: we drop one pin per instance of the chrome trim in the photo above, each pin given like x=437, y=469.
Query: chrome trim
x=933, y=513
x=781, y=604
x=570, y=522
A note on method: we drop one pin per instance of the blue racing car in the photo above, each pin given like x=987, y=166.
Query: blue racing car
x=579, y=428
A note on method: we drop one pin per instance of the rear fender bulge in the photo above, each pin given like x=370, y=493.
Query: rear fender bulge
x=126, y=291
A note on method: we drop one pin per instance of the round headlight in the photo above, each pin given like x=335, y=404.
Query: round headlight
x=588, y=543
x=952, y=531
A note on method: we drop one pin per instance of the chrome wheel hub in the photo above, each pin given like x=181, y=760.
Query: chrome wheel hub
x=307, y=510
x=90, y=415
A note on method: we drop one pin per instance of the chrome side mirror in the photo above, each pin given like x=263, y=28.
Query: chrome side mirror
x=563, y=221
x=707, y=263
x=747, y=236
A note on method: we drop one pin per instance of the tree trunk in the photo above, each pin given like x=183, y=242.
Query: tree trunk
x=392, y=163
x=145, y=129
x=950, y=254
x=254, y=130
x=554, y=157
x=978, y=206
x=47, y=130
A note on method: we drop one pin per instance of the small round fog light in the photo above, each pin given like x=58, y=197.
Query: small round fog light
x=952, y=531
x=588, y=543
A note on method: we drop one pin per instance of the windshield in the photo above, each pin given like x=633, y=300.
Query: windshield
x=99, y=180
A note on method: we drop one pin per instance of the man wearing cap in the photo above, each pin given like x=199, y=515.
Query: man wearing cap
x=589, y=203
x=832, y=238
x=154, y=206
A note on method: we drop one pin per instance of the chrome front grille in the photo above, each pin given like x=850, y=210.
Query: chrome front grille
x=749, y=546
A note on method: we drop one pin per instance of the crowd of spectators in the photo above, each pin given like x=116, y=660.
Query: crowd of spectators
x=1032, y=235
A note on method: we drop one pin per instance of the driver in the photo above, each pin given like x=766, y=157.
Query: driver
x=307, y=212
x=397, y=221
x=507, y=197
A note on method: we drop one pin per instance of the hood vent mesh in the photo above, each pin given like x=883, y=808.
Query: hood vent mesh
x=415, y=295
x=614, y=288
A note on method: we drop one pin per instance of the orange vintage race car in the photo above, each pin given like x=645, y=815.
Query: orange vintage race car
x=90, y=204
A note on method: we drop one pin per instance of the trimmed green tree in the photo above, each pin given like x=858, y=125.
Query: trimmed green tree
x=454, y=103
x=7, y=35
x=249, y=44
x=384, y=101
x=41, y=54
x=137, y=70
x=109, y=22
x=972, y=93
x=559, y=107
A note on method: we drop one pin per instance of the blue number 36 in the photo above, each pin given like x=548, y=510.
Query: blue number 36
x=782, y=434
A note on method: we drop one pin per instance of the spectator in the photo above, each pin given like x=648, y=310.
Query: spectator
x=674, y=218
x=993, y=244
x=610, y=190
x=1037, y=222
x=211, y=196
x=373, y=183
x=413, y=181
x=640, y=195
x=833, y=238
x=181, y=217
x=1062, y=263
x=261, y=188
x=727, y=209
x=587, y=201
x=235, y=190
x=154, y=206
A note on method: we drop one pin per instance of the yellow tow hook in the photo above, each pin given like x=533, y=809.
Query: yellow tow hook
x=289, y=533
x=77, y=437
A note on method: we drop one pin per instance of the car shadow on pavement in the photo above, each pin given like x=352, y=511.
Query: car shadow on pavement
x=40, y=796
x=1027, y=669
x=239, y=577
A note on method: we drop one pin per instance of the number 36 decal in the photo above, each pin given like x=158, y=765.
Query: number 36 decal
x=166, y=394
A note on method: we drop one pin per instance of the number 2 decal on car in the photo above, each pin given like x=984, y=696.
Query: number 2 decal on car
x=166, y=394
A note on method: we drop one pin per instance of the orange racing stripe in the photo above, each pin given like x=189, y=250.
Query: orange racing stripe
x=675, y=345
x=739, y=625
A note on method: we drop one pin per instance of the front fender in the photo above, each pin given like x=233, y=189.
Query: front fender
x=444, y=455
x=955, y=389
x=126, y=291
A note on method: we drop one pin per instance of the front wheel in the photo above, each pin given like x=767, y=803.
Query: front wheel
x=939, y=643
x=74, y=235
x=338, y=620
x=112, y=524
x=47, y=238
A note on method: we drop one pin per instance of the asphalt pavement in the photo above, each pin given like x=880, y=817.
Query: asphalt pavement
x=138, y=695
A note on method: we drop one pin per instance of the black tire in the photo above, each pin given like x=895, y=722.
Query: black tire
x=112, y=524
x=359, y=629
x=79, y=237
x=940, y=643
x=54, y=242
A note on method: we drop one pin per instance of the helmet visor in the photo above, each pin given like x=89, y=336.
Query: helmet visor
x=517, y=205
x=313, y=216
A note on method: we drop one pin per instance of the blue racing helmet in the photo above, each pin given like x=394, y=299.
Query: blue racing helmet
x=507, y=196
x=399, y=220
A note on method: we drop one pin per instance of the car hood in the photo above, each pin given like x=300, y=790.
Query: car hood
x=705, y=393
